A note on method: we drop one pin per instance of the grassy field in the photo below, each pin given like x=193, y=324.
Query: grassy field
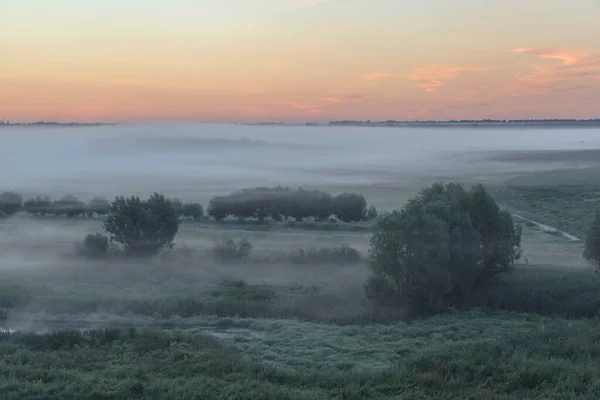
x=562, y=199
x=186, y=325
x=471, y=355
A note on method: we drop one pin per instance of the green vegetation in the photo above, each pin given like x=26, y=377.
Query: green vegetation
x=10, y=203
x=592, y=241
x=565, y=199
x=443, y=245
x=283, y=314
x=143, y=227
x=462, y=356
x=342, y=254
x=279, y=203
x=230, y=250
x=94, y=246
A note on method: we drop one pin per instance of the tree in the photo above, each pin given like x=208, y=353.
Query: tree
x=592, y=242
x=38, y=206
x=98, y=205
x=440, y=247
x=70, y=206
x=192, y=210
x=143, y=227
x=10, y=203
x=350, y=207
x=218, y=208
x=409, y=259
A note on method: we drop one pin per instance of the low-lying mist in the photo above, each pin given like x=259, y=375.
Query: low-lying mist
x=318, y=278
x=202, y=160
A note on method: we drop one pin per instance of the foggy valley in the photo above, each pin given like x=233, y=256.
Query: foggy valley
x=300, y=284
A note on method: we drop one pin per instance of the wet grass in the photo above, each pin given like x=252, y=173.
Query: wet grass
x=470, y=355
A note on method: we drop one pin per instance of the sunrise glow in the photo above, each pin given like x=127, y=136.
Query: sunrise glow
x=298, y=60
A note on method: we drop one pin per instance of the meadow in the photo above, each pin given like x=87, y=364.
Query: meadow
x=274, y=325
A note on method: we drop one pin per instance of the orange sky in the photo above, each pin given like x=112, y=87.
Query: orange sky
x=298, y=60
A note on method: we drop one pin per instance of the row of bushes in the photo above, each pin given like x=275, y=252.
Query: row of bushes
x=279, y=203
x=70, y=206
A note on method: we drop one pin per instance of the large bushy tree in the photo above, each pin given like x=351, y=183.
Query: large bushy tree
x=143, y=227
x=592, y=241
x=442, y=245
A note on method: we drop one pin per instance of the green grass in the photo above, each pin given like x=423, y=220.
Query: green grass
x=462, y=356
x=559, y=198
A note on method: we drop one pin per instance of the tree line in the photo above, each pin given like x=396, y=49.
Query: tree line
x=279, y=203
x=276, y=203
x=71, y=206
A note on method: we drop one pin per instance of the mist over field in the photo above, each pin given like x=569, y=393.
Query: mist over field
x=198, y=161
x=298, y=299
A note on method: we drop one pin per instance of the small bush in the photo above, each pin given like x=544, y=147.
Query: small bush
x=94, y=246
x=342, y=254
x=230, y=250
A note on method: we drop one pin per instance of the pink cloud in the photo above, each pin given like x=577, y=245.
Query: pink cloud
x=333, y=100
x=579, y=70
x=432, y=77
x=567, y=56
x=316, y=111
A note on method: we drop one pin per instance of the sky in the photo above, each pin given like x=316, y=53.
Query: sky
x=298, y=60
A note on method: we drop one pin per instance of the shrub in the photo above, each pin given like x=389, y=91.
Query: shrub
x=444, y=244
x=38, y=206
x=10, y=203
x=94, y=246
x=350, y=207
x=592, y=242
x=342, y=254
x=230, y=250
x=193, y=211
x=143, y=227
x=99, y=205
